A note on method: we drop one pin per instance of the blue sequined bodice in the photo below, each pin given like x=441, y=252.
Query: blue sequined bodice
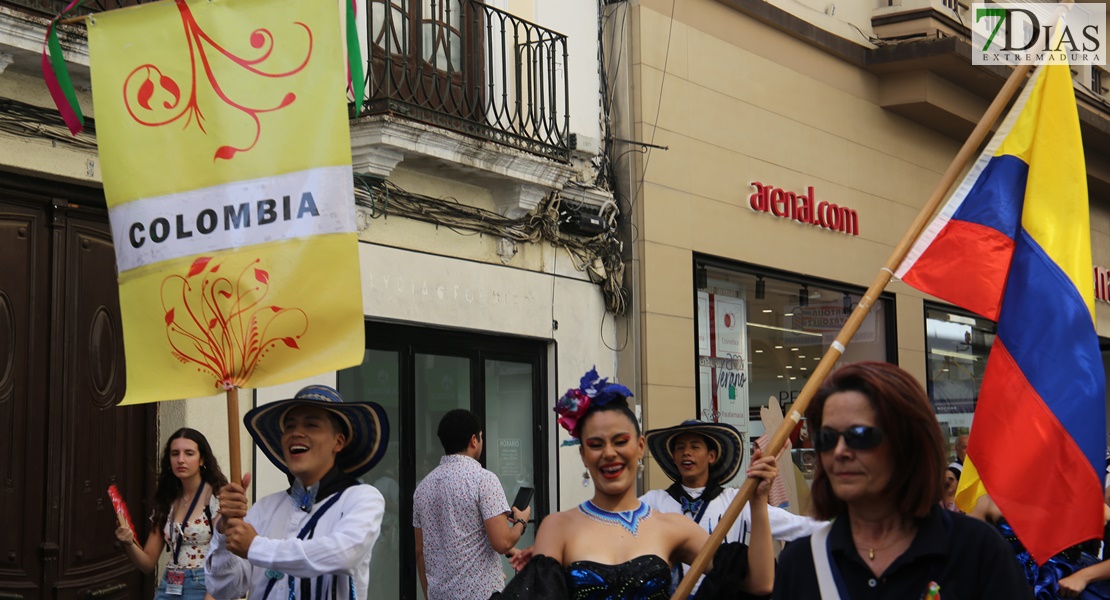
x=1045, y=578
x=642, y=578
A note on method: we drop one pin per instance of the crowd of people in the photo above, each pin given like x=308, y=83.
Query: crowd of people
x=883, y=521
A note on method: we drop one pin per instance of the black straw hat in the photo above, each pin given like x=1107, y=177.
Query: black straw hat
x=367, y=428
x=722, y=437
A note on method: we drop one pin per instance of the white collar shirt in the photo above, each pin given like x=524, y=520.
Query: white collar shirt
x=785, y=525
x=338, y=552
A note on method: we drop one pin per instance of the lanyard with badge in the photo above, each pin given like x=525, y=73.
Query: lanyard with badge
x=175, y=575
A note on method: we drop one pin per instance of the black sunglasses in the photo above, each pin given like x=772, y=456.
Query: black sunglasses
x=857, y=437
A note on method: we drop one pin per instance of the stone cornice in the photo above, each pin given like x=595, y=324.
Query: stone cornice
x=518, y=179
x=21, y=37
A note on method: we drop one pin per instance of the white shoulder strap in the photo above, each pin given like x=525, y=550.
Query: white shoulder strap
x=818, y=543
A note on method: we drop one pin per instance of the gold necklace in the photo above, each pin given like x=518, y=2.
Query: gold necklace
x=871, y=550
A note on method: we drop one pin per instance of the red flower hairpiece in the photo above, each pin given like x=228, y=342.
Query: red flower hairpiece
x=572, y=406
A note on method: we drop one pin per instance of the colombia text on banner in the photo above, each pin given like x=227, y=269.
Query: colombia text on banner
x=1013, y=245
x=226, y=155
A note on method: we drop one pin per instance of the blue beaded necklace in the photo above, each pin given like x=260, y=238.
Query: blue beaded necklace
x=629, y=519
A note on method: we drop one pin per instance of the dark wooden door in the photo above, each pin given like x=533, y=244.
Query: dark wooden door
x=24, y=358
x=66, y=441
x=103, y=444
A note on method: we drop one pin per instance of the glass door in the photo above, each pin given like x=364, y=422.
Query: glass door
x=442, y=384
x=378, y=379
x=510, y=451
x=418, y=375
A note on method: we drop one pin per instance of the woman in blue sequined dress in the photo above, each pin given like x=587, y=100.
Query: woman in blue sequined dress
x=614, y=546
x=1073, y=573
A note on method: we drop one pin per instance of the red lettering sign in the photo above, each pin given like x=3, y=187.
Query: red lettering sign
x=802, y=207
x=1102, y=284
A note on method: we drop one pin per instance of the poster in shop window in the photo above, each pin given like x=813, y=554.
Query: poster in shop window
x=729, y=362
x=705, y=384
x=820, y=322
x=703, y=324
x=730, y=319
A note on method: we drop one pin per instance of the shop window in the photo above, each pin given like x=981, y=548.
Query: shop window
x=761, y=335
x=957, y=345
x=956, y=348
x=418, y=375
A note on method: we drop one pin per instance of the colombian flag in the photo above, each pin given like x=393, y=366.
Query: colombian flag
x=1013, y=245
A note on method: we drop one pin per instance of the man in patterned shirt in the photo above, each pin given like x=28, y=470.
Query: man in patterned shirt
x=462, y=521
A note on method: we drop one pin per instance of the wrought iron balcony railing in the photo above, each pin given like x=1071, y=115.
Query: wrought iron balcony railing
x=456, y=64
x=470, y=68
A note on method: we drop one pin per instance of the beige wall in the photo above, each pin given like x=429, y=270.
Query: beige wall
x=740, y=102
x=39, y=156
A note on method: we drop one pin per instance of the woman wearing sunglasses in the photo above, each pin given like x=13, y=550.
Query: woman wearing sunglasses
x=879, y=477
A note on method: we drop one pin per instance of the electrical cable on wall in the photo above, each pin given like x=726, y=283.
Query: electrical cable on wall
x=599, y=257
x=35, y=122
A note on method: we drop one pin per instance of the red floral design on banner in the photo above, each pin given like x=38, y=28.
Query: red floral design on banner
x=223, y=326
x=145, y=80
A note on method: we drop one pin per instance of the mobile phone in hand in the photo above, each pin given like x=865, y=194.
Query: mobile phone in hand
x=523, y=498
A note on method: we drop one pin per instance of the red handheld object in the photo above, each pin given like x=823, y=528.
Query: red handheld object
x=120, y=508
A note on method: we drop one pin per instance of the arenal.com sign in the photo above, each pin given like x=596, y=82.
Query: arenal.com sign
x=1024, y=33
x=1102, y=284
x=804, y=208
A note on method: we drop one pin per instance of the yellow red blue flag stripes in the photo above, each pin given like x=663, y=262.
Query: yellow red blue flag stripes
x=1013, y=244
x=225, y=148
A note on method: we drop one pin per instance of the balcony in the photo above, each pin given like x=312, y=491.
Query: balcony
x=459, y=87
x=926, y=73
x=459, y=65
x=921, y=60
x=470, y=68
x=908, y=19
x=452, y=87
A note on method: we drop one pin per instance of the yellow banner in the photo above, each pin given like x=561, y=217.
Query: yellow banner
x=224, y=143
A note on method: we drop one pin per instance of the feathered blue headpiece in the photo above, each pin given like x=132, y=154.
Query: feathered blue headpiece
x=591, y=390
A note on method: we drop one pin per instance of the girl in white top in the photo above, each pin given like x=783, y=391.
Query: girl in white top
x=185, y=505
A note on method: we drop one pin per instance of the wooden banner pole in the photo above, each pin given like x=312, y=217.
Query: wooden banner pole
x=233, y=435
x=965, y=155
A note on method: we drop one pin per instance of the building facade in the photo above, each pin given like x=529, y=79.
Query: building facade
x=849, y=111
x=491, y=273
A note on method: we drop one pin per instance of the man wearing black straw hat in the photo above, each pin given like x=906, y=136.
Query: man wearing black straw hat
x=314, y=539
x=700, y=458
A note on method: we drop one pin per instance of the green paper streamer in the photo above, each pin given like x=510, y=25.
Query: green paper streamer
x=354, y=59
x=58, y=64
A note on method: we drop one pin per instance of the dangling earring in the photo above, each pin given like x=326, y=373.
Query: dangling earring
x=586, y=478
x=640, y=465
